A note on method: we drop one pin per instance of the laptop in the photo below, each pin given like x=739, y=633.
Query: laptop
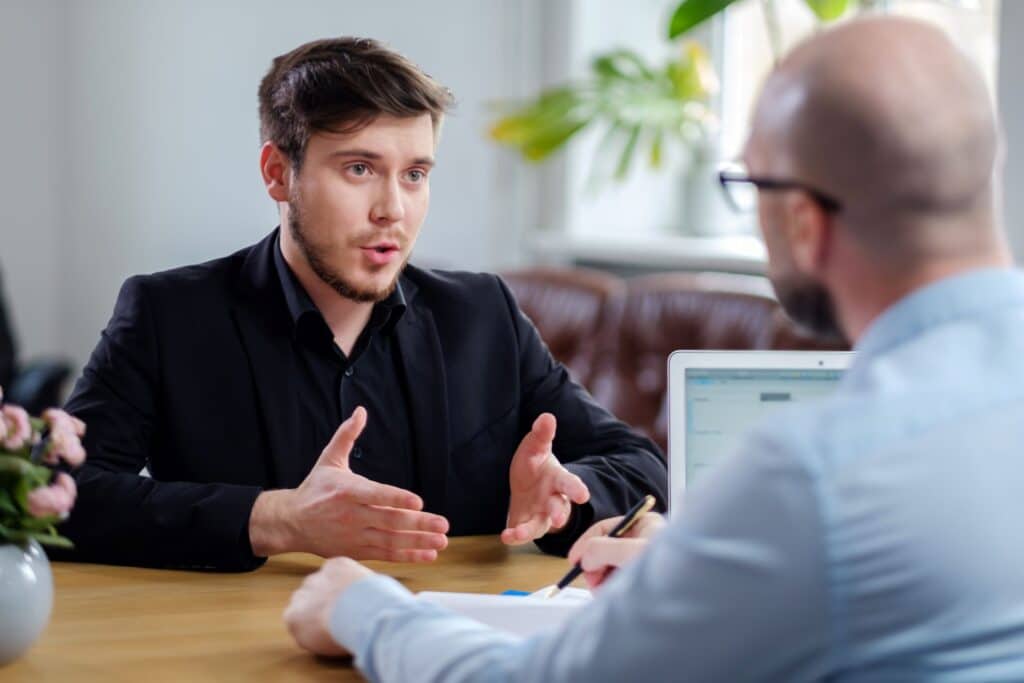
x=716, y=397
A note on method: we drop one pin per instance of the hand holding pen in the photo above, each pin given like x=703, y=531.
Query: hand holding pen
x=611, y=543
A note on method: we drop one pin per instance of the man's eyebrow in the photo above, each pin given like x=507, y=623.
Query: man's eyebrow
x=367, y=154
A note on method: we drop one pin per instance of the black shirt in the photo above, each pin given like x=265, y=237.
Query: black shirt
x=331, y=385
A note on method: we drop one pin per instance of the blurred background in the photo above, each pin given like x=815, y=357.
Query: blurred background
x=129, y=134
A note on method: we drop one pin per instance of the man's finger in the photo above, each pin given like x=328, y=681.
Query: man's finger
x=558, y=510
x=603, y=552
x=370, y=492
x=336, y=452
x=534, y=527
x=397, y=519
x=572, y=486
x=404, y=540
x=389, y=555
x=601, y=528
x=541, y=435
x=595, y=579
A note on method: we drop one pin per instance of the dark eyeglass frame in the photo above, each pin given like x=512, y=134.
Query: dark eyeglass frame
x=825, y=201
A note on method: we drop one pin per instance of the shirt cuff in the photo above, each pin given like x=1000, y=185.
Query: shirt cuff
x=352, y=618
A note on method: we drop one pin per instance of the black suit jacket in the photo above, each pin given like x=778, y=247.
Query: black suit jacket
x=193, y=379
x=7, y=348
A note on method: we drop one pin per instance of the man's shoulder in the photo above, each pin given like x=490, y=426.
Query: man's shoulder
x=197, y=285
x=208, y=274
x=208, y=278
x=444, y=290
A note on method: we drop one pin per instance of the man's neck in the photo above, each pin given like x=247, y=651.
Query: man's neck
x=346, y=318
x=871, y=294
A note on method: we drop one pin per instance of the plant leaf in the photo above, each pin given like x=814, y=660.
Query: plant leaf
x=691, y=13
x=828, y=10
x=52, y=540
x=657, y=143
x=544, y=144
x=622, y=64
x=7, y=503
x=15, y=464
x=626, y=156
x=544, y=125
x=692, y=76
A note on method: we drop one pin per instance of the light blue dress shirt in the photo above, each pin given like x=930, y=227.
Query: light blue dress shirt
x=878, y=535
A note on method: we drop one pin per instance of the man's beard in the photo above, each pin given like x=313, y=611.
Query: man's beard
x=316, y=257
x=809, y=305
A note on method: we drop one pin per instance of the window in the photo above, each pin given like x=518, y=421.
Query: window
x=746, y=56
x=646, y=220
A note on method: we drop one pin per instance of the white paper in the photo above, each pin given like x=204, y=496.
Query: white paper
x=520, y=615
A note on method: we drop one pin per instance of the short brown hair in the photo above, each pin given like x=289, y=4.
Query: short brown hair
x=342, y=85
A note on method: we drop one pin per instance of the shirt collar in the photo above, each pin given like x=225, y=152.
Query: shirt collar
x=386, y=313
x=956, y=297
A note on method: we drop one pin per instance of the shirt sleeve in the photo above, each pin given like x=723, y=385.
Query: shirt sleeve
x=734, y=589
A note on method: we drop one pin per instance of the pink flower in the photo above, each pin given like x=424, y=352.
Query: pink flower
x=64, y=445
x=57, y=499
x=18, y=428
x=59, y=420
x=64, y=439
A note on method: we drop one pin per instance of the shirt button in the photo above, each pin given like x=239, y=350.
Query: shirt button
x=357, y=452
x=349, y=372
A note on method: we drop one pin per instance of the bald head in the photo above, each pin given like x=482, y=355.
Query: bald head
x=889, y=117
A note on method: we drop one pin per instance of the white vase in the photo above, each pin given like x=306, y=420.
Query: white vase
x=706, y=211
x=26, y=597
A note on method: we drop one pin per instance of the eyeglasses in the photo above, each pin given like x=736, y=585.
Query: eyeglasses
x=741, y=189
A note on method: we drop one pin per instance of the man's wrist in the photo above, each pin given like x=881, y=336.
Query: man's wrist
x=269, y=530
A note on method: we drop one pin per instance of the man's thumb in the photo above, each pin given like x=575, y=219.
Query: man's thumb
x=543, y=430
x=338, y=449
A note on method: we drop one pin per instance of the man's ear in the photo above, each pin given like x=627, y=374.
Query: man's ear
x=276, y=170
x=808, y=232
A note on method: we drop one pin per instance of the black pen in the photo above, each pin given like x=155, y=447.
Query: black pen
x=632, y=517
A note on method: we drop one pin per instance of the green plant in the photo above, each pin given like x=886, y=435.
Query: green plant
x=33, y=499
x=643, y=108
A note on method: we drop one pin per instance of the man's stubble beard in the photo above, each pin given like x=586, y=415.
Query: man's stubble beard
x=810, y=305
x=315, y=256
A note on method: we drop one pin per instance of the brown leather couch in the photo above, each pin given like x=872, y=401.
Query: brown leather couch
x=615, y=334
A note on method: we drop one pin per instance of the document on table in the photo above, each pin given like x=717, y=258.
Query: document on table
x=515, y=614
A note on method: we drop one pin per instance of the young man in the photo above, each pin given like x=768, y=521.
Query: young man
x=228, y=380
x=873, y=537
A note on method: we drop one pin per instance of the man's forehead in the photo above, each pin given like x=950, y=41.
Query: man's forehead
x=384, y=136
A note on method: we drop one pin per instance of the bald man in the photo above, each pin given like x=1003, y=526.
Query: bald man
x=875, y=536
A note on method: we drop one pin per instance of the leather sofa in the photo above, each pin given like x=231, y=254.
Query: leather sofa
x=615, y=334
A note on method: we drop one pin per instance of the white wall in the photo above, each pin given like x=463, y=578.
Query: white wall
x=1011, y=106
x=31, y=137
x=151, y=107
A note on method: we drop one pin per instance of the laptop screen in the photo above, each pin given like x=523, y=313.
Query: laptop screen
x=723, y=404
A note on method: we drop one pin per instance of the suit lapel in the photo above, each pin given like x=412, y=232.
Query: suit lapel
x=420, y=349
x=261, y=318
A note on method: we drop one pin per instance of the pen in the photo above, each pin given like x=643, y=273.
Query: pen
x=632, y=517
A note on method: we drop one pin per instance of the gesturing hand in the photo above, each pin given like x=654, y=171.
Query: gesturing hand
x=542, y=490
x=338, y=512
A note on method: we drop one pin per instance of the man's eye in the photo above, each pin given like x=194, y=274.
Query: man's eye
x=359, y=169
x=416, y=175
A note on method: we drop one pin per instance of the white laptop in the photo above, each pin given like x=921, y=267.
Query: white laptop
x=715, y=397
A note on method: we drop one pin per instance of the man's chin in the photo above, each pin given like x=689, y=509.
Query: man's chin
x=366, y=290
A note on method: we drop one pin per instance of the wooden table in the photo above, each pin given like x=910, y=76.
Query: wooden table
x=148, y=625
